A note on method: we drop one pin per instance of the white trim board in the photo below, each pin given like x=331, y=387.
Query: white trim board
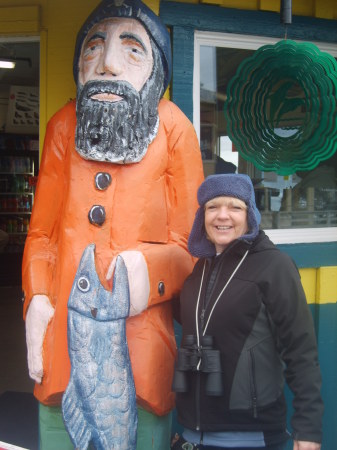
x=302, y=235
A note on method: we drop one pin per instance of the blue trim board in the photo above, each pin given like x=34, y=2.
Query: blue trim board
x=316, y=254
x=182, y=69
x=260, y=23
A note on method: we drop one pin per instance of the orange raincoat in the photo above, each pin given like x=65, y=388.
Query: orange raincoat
x=150, y=207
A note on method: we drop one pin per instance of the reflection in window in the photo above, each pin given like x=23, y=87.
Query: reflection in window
x=302, y=200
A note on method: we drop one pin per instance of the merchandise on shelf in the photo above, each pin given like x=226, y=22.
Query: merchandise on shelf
x=18, y=170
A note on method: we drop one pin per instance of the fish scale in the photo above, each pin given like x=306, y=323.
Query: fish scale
x=99, y=403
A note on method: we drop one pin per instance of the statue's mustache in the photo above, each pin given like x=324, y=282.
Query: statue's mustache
x=102, y=90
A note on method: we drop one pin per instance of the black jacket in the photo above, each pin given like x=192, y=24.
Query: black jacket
x=264, y=331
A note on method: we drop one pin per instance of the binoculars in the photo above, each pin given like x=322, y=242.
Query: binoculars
x=204, y=358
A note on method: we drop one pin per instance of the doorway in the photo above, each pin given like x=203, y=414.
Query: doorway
x=19, y=149
x=19, y=164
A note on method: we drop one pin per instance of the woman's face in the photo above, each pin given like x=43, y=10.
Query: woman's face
x=225, y=221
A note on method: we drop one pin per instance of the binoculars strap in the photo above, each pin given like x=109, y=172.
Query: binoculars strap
x=216, y=301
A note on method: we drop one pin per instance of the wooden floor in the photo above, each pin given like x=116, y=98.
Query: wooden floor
x=14, y=372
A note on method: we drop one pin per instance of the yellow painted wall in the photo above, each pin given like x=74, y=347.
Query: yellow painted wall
x=309, y=282
x=61, y=21
x=327, y=285
x=320, y=285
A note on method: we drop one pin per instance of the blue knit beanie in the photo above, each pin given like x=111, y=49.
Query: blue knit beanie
x=131, y=9
x=230, y=185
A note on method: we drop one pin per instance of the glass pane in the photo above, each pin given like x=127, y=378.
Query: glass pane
x=302, y=200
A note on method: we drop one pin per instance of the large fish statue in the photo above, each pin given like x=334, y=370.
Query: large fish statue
x=99, y=404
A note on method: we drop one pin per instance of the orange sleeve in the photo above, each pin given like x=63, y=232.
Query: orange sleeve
x=40, y=252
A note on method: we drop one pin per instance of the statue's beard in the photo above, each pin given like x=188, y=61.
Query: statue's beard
x=121, y=131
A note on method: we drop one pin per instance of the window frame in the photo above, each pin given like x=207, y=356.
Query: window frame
x=251, y=42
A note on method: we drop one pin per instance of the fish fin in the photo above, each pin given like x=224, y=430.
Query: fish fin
x=74, y=420
x=120, y=288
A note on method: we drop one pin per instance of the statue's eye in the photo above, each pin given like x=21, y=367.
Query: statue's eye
x=83, y=284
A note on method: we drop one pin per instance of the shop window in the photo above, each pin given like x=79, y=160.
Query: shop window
x=304, y=202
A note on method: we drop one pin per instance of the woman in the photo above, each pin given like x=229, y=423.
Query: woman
x=246, y=328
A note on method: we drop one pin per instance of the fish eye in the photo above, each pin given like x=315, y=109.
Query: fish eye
x=83, y=284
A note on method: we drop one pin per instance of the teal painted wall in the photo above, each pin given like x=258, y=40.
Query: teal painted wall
x=312, y=255
x=326, y=322
x=325, y=318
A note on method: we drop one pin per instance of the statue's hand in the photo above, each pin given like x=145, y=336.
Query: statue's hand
x=138, y=275
x=39, y=313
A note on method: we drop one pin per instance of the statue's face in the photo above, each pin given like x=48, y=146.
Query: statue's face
x=120, y=84
x=116, y=49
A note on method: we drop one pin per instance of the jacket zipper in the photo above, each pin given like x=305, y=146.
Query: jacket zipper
x=201, y=327
x=197, y=400
x=253, y=384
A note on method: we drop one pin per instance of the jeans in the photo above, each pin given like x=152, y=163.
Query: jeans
x=269, y=447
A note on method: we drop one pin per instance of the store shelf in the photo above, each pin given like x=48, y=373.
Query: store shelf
x=19, y=159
